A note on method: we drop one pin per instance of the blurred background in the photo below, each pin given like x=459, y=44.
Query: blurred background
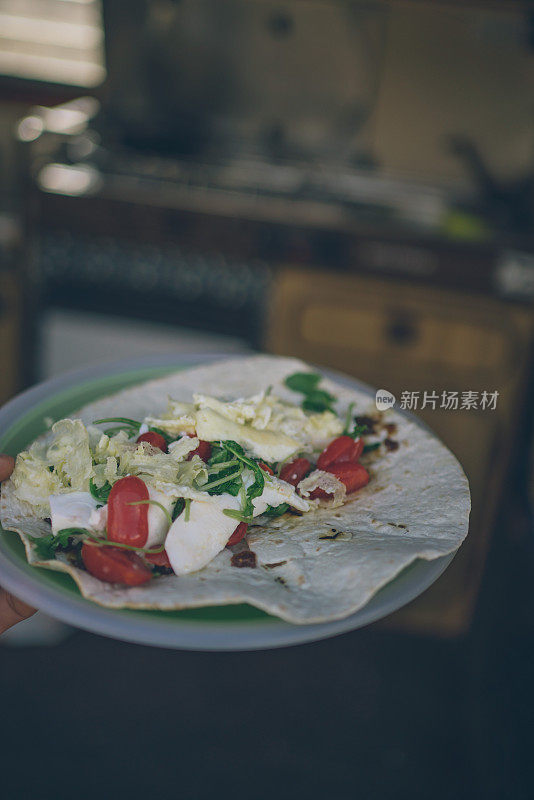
x=349, y=182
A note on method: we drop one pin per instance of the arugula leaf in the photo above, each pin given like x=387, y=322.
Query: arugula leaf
x=46, y=546
x=256, y=488
x=229, y=477
x=370, y=447
x=307, y=383
x=276, y=511
x=357, y=431
x=101, y=494
x=318, y=400
x=178, y=508
x=303, y=382
x=226, y=470
x=131, y=426
x=132, y=423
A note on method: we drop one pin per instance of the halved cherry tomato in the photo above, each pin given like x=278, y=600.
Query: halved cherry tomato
x=155, y=439
x=128, y=524
x=158, y=559
x=340, y=450
x=238, y=534
x=293, y=473
x=265, y=467
x=354, y=476
x=203, y=450
x=113, y=565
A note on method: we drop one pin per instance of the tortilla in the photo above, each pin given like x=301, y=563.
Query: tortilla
x=319, y=567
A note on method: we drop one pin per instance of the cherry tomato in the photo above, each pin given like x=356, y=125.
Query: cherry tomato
x=238, y=534
x=354, y=476
x=158, y=559
x=113, y=565
x=340, y=450
x=293, y=473
x=203, y=450
x=265, y=467
x=155, y=439
x=128, y=524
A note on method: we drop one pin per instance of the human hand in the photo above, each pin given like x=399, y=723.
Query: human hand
x=11, y=609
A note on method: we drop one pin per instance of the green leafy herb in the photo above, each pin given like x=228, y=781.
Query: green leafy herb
x=101, y=494
x=220, y=483
x=303, y=382
x=306, y=383
x=276, y=511
x=256, y=488
x=318, y=400
x=130, y=426
x=46, y=546
x=357, y=431
x=187, y=509
x=370, y=447
x=178, y=508
x=228, y=470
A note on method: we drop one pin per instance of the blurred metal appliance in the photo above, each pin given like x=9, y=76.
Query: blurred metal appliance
x=279, y=78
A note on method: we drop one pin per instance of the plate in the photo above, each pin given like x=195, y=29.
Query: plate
x=230, y=627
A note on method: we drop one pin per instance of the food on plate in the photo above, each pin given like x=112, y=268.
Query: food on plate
x=249, y=480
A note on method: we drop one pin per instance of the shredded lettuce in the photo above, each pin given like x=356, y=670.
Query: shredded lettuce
x=69, y=454
x=34, y=482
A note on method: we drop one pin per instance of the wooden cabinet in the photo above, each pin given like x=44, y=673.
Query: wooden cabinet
x=405, y=337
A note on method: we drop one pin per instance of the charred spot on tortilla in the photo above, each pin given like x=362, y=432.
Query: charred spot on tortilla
x=342, y=536
x=246, y=558
x=273, y=566
x=369, y=423
x=391, y=427
x=391, y=445
x=280, y=580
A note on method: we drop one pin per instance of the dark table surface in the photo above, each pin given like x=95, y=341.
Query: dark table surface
x=371, y=714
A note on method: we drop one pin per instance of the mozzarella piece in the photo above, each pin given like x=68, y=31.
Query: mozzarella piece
x=266, y=444
x=193, y=544
x=71, y=510
x=98, y=521
x=275, y=493
x=158, y=524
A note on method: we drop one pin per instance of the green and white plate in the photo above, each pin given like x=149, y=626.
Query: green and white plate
x=231, y=627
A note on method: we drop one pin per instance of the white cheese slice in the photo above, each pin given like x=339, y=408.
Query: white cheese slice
x=275, y=493
x=192, y=544
x=71, y=510
x=269, y=445
x=158, y=524
x=98, y=521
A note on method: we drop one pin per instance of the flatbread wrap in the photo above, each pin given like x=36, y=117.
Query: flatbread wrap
x=255, y=519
